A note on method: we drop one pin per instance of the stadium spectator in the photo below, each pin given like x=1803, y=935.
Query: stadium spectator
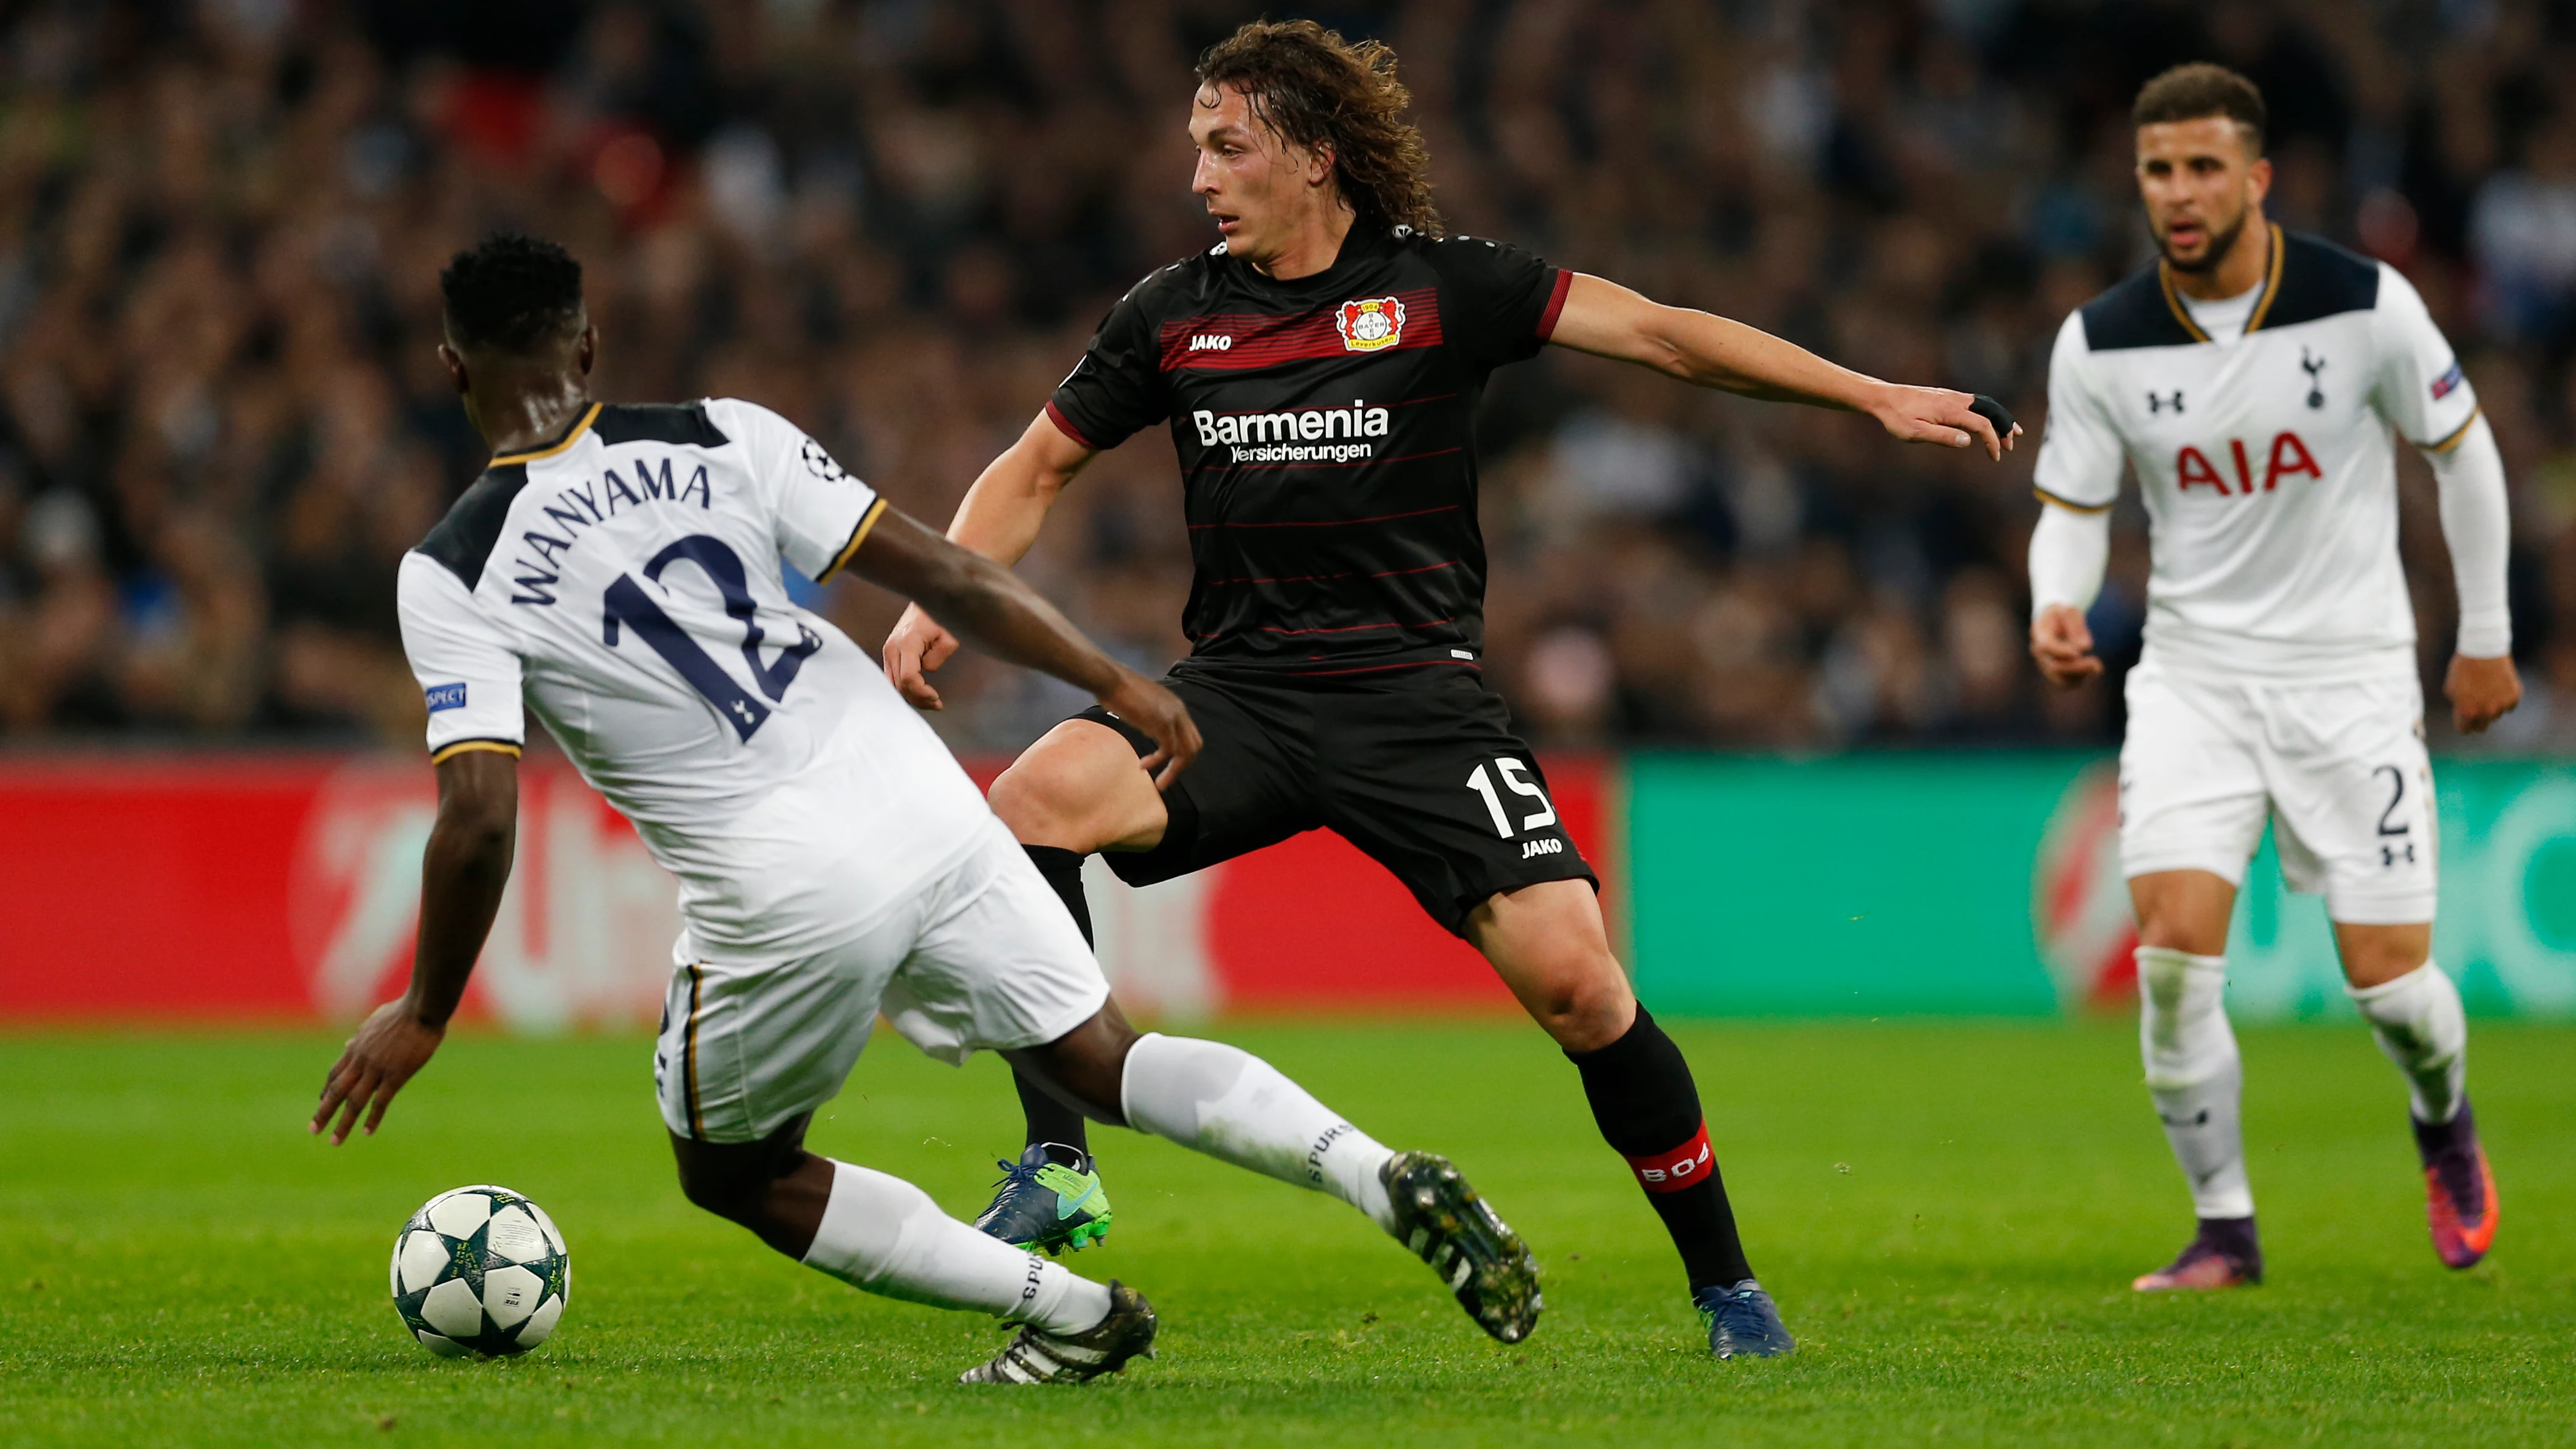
x=220, y=224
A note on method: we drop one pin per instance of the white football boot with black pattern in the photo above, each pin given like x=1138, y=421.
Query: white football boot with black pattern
x=1449, y=1226
x=1038, y=1357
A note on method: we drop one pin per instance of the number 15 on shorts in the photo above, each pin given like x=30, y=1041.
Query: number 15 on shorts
x=1514, y=775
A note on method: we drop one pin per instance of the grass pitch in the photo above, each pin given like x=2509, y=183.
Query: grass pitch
x=1949, y=1214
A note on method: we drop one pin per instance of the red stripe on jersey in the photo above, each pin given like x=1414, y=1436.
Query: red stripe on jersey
x=1254, y=341
x=1688, y=1165
x=1555, y=302
x=1330, y=522
x=1066, y=424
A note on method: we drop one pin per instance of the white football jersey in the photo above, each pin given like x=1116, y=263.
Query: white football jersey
x=625, y=583
x=2266, y=460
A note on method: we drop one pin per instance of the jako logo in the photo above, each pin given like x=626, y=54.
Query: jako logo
x=1547, y=846
x=1206, y=342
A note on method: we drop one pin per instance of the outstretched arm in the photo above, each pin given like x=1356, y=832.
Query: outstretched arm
x=998, y=519
x=992, y=606
x=1608, y=320
x=461, y=876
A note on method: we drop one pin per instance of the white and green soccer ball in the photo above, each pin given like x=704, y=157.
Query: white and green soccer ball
x=480, y=1270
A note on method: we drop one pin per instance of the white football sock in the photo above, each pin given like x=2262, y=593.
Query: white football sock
x=2195, y=1075
x=1237, y=1108
x=2420, y=1024
x=882, y=1234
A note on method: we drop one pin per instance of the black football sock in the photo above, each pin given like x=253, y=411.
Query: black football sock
x=1648, y=1110
x=1050, y=1120
x=1063, y=870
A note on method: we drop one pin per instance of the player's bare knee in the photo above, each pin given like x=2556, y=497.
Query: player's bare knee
x=2377, y=955
x=1064, y=791
x=1584, y=1012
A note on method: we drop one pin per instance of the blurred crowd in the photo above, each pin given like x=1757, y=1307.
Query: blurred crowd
x=896, y=221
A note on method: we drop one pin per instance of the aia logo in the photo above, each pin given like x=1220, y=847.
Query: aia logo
x=2289, y=458
x=1369, y=325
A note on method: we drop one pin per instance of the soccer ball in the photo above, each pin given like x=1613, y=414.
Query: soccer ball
x=480, y=1270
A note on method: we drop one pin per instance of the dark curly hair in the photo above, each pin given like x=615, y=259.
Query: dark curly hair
x=512, y=293
x=1315, y=89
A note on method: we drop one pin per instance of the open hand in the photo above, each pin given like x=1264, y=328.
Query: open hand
x=2481, y=691
x=391, y=1045
x=1938, y=415
x=1164, y=719
x=2062, y=645
x=916, y=647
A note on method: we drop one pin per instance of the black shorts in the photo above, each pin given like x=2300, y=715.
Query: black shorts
x=1419, y=768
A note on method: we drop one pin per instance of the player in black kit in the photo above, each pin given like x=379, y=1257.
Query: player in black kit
x=1319, y=371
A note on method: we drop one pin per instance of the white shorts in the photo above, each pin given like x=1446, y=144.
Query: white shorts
x=2338, y=768
x=983, y=956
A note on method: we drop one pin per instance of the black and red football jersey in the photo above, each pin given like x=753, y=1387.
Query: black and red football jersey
x=1326, y=429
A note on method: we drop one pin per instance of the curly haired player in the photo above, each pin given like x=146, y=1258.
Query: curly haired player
x=1319, y=370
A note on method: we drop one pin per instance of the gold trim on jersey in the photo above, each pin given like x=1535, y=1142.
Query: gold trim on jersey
x=569, y=439
x=858, y=535
x=2271, y=281
x=689, y=1060
x=2458, y=434
x=2070, y=505
x=445, y=753
x=2262, y=304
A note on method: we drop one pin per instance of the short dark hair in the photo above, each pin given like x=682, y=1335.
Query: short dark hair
x=2199, y=90
x=1315, y=89
x=512, y=293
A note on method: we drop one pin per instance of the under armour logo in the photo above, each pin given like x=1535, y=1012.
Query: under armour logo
x=2156, y=402
x=2312, y=366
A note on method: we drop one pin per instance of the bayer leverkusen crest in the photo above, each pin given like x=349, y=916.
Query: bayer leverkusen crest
x=1369, y=325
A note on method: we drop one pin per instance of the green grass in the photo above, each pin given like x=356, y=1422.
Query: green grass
x=1950, y=1215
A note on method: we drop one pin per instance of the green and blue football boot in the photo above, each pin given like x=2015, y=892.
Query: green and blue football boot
x=1742, y=1321
x=1051, y=1198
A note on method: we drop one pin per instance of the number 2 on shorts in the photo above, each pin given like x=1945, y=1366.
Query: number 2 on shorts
x=1510, y=771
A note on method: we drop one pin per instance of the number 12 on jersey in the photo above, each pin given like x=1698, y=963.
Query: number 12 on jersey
x=626, y=604
x=1510, y=770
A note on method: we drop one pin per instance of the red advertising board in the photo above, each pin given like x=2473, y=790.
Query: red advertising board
x=232, y=888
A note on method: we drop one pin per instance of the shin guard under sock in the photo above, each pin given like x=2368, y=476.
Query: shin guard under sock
x=1048, y=1119
x=2194, y=1075
x=1647, y=1107
x=882, y=1234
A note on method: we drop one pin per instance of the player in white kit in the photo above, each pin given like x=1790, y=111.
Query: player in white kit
x=2253, y=379
x=618, y=568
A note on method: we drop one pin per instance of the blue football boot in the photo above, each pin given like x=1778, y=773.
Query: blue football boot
x=1742, y=1321
x=1051, y=1198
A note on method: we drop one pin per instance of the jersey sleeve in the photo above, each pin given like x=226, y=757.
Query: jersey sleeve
x=2079, y=452
x=1116, y=390
x=2419, y=389
x=1499, y=304
x=821, y=512
x=468, y=673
